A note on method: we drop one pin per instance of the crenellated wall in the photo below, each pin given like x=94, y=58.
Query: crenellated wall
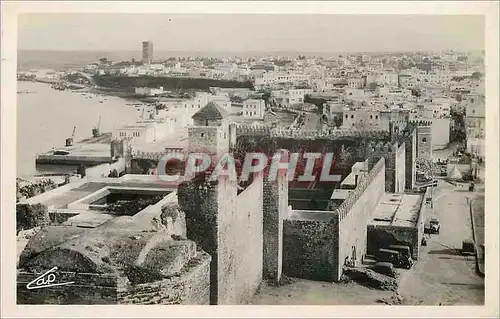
x=354, y=214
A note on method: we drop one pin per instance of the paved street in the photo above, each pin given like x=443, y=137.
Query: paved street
x=442, y=275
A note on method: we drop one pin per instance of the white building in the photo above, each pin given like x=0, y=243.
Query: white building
x=476, y=122
x=287, y=98
x=144, y=132
x=254, y=108
x=361, y=120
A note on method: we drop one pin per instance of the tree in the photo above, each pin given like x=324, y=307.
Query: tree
x=416, y=92
x=477, y=75
x=30, y=216
x=337, y=120
x=372, y=86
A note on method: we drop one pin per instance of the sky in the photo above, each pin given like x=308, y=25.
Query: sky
x=247, y=32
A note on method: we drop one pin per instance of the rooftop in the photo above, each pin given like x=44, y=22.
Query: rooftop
x=61, y=197
x=211, y=111
x=397, y=209
x=340, y=194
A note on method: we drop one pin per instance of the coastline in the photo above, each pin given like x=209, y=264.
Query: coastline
x=43, y=113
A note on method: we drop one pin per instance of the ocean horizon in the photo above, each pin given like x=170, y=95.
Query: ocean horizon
x=62, y=60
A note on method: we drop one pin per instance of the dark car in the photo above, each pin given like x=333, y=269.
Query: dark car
x=405, y=252
x=394, y=257
x=468, y=247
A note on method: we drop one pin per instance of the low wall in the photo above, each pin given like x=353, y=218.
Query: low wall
x=191, y=288
x=310, y=249
x=103, y=170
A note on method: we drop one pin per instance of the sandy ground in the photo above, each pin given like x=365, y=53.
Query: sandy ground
x=306, y=292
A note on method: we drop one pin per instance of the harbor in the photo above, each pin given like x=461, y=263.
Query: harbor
x=45, y=113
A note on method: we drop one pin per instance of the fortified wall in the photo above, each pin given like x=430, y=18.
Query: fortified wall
x=353, y=215
x=239, y=231
x=317, y=244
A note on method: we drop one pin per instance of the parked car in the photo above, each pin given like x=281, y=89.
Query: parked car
x=435, y=226
x=468, y=247
x=471, y=187
x=405, y=252
x=403, y=249
x=444, y=171
x=394, y=257
x=384, y=268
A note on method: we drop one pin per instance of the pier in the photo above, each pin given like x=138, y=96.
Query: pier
x=88, y=152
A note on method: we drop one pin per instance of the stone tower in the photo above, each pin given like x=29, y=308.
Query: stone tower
x=210, y=132
x=424, y=140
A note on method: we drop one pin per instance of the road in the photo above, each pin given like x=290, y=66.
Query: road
x=442, y=276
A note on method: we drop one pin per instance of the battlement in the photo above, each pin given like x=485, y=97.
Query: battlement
x=419, y=122
x=327, y=134
x=365, y=182
x=252, y=129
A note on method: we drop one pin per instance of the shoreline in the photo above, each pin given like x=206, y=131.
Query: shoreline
x=65, y=109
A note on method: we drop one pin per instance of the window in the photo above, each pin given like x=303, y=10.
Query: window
x=371, y=116
x=346, y=116
x=225, y=136
x=424, y=140
x=352, y=116
x=202, y=134
x=376, y=117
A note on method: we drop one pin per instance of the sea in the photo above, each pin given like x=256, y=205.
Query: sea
x=46, y=117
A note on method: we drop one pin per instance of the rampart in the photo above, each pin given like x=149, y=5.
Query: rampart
x=230, y=228
x=353, y=215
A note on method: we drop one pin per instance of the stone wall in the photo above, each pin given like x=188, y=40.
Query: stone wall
x=354, y=214
x=400, y=168
x=229, y=228
x=424, y=142
x=275, y=208
x=199, y=201
x=410, y=155
x=310, y=249
x=240, y=247
x=191, y=288
x=206, y=139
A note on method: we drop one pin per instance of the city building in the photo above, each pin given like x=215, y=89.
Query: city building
x=475, y=122
x=254, y=108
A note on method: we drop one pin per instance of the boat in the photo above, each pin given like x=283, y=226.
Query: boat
x=61, y=152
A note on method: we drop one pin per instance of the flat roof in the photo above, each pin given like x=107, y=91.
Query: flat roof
x=306, y=215
x=173, y=140
x=340, y=193
x=61, y=200
x=396, y=209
